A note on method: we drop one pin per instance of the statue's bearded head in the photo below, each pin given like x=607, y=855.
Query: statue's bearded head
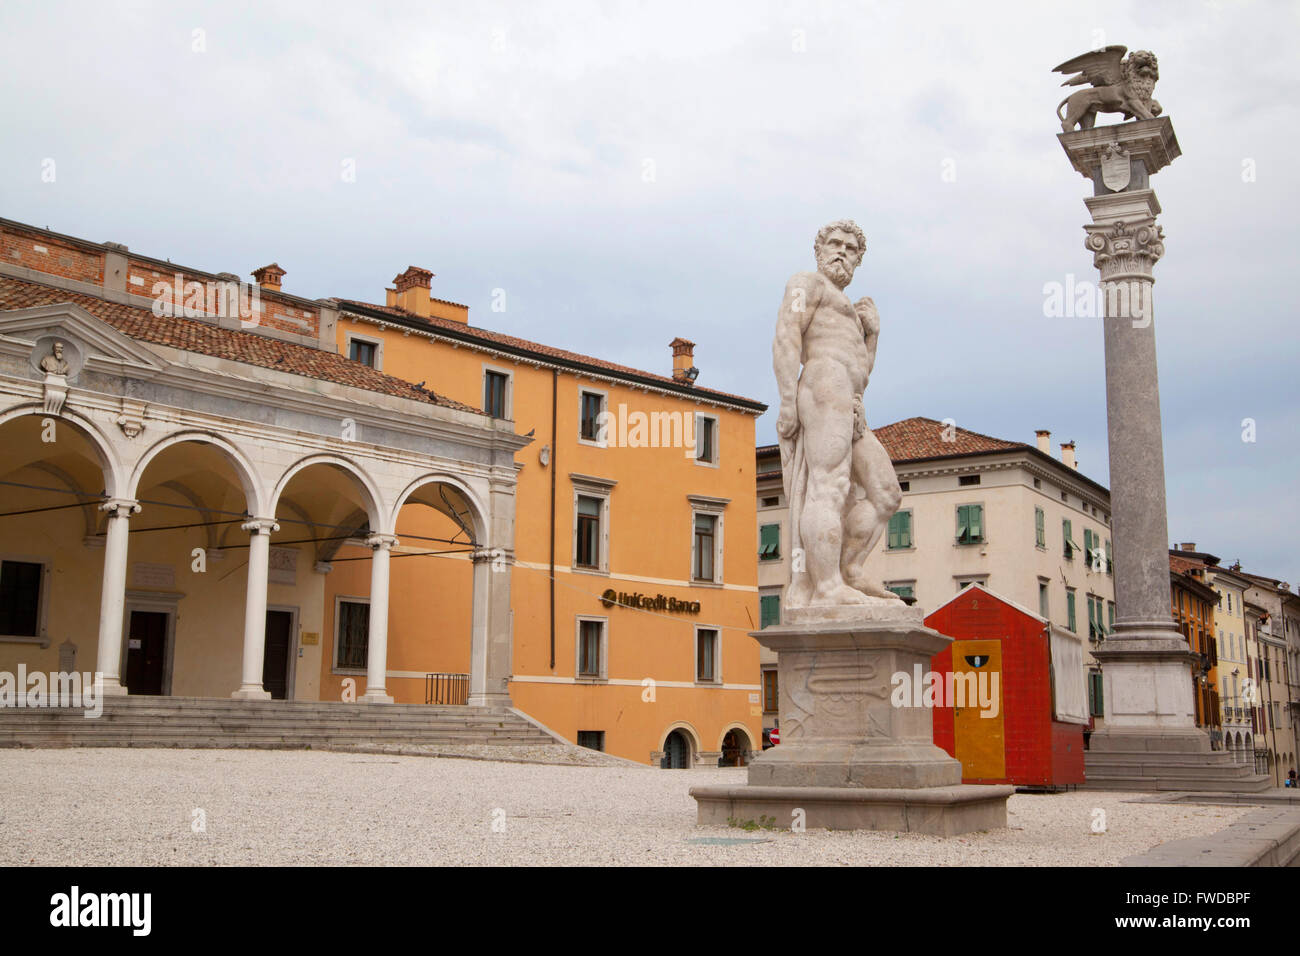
x=839, y=247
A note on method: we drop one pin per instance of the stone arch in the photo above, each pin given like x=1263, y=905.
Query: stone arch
x=737, y=726
x=692, y=736
x=478, y=511
x=373, y=500
x=109, y=462
x=254, y=497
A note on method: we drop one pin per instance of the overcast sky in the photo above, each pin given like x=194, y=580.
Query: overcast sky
x=632, y=172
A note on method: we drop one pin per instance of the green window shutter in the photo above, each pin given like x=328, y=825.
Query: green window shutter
x=905, y=530
x=1087, y=543
x=1069, y=610
x=769, y=606
x=1110, y=615
x=1110, y=567
x=769, y=542
x=977, y=522
x=963, y=523
x=893, y=533
x=902, y=590
x=1065, y=533
x=1098, y=705
x=1040, y=528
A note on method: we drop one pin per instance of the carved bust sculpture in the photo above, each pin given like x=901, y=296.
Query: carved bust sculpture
x=839, y=479
x=55, y=363
x=1120, y=84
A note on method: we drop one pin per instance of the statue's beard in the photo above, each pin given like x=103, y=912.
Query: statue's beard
x=838, y=272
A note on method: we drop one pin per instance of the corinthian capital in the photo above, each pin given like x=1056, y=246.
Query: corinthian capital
x=1125, y=249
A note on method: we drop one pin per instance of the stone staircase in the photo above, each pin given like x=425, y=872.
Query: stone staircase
x=271, y=724
x=1146, y=771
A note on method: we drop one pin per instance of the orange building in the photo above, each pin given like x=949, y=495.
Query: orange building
x=634, y=571
x=1193, y=612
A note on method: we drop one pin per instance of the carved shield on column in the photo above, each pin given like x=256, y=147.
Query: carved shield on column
x=1116, y=170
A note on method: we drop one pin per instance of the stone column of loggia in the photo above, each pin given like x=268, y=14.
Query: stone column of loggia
x=112, y=599
x=259, y=561
x=381, y=546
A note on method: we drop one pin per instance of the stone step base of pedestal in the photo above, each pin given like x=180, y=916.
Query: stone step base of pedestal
x=1176, y=770
x=938, y=811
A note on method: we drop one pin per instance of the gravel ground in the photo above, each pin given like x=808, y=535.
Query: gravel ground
x=116, y=807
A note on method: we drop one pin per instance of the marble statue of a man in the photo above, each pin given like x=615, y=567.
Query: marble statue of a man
x=55, y=363
x=839, y=479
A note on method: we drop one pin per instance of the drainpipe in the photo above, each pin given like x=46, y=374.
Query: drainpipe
x=555, y=457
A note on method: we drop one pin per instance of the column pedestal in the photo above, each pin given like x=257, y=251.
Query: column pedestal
x=849, y=757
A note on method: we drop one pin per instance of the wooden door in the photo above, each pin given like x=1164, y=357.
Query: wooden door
x=146, y=651
x=980, y=740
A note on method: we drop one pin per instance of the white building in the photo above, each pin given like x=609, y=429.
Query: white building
x=1005, y=514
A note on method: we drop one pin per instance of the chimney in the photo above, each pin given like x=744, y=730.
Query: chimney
x=1187, y=546
x=411, y=293
x=268, y=277
x=1044, y=441
x=684, y=369
x=1067, y=455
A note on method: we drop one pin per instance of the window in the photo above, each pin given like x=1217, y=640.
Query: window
x=706, y=439
x=20, y=598
x=1095, y=628
x=1038, y=483
x=769, y=610
x=1069, y=609
x=365, y=351
x=592, y=404
x=770, y=700
x=704, y=550
x=970, y=524
x=1040, y=528
x=1043, y=602
x=586, y=550
x=591, y=648
x=592, y=739
x=1087, y=548
x=1067, y=534
x=769, y=542
x=900, y=531
x=1110, y=565
x=904, y=589
x=771, y=502
x=1096, y=703
x=352, y=634
x=706, y=655
x=494, y=394
x=963, y=582
x=965, y=480
x=904, y=486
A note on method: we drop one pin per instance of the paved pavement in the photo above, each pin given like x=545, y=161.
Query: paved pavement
x=235, y=808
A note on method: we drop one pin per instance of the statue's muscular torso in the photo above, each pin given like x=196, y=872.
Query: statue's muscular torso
x=834, y=334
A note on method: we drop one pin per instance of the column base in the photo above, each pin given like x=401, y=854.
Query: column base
x=494, y=701
x=1163, y=758
x=938, y=811
x=251, y=692
x=110, y=687
x=379, y=696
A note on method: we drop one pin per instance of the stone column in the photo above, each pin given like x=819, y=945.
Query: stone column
x=381, y=546
x=1150, y=739
x=259, y=561
x=490, y=642
x=112, y=598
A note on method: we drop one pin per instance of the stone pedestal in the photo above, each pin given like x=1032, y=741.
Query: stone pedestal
x=849, y=758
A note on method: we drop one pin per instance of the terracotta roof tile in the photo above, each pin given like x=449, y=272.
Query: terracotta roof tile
x=919, y=438
x=544, y=351
x=204, y=338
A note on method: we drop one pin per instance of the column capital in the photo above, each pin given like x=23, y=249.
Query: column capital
x=260, y=526
x=379, y=541
x=1125, y=249
x=480, y=555
x=120, y=507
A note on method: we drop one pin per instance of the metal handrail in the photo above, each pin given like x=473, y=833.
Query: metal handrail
x=444, y=688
